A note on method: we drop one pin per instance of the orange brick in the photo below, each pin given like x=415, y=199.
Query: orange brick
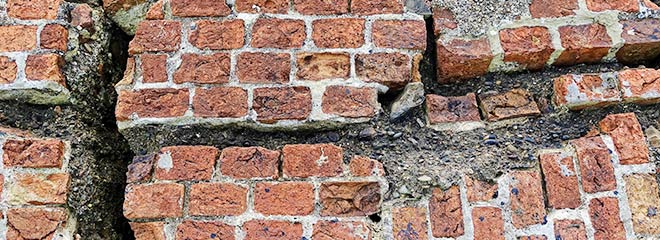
x=583, y=44
x=8, y=70
x=278, y=33
x=530, y=47
x=148, y=231
x=347, y=199
x=47, y=67
x=321, y=7
x=463, y=59
x=409, y=223
x=22, y=222
x=250, y=162
x=160, y=200
x=220, y=102
x=350, y=102
x=282, y=103
x=620, y=5
x=203, y=69
x=186, y=163
x=331, y=230
x=628, y=137
x=446, y=212
x=199, y=8
x=54, y=36
x=527, y=205
x=217, y=199
x=480, y=191
x=319, y=160
x=156, y=36
x=33, y=153
x=254, y=67
x=604, y=214
x=38, y=189
x=583, y=91
x=158, y=103
x=154, y=68
x=338, y=33
x=570, y=230
x=364, y=167
x=488, y=223
x=156, y=11
x=284, y=198
x=640, y=85
x=553, y=8
x=262, y=6
x=595, y=161
x=201, y=230
x=320, y=66
x=18, y=38
x=642, y=41
x=371, y=7
x=406, y=34
x=33, y=9
x=561, y=181
x=390, y=69
x=218, y=35
x=272, y=229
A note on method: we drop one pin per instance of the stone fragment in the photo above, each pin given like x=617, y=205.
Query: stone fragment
x=411, y=97
x=218, y=35
x=406, y=34
x=186, y=163
x=203, y=69
x=583, y=44
x=512, y=104
x=141, y=168
x=583, y=91
x=463, y=59
x=644, y=202
x=156, y=36
x=321, y=66
x=409, y=223
x=217, y=199
x=282, y=103
x=338, y=33
x=220, y=102
x=488, y=223
x=530, y=47
x=82, y=16
x=278, y=33
x=627, y=136
x=32, y=153
x=350, y=102
x=159, y=200
x=156, y=103
x=250, y=162
x=595, y=161
x=347, y=199
x=390, y=69
x=284, y=198
x=306, y=160
x=446, y=213
x=253, y=67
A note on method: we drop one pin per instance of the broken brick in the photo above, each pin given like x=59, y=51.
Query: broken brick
x=587, y=90
x=350, y=102
x=409, y=223
x=583, y=44
x=512, y=104
x=346, y=199
x=627, y=136
x=527, y=203
x=446, y=212
x=561, y=182
x=463, y=59
x=595, y=161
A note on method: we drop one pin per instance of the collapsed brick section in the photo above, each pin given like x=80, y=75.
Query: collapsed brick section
x=282, y=64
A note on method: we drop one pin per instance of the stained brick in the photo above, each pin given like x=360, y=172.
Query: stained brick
x=446, y=212
x=218, y=35
x=263, y=67
x=452, y=109
x=595, y=161
x=284, y=198
x=54, y=36
x=155, y=36
x=307, y=160
x=480, y=191
x=38, y=189
x=148, y=231
x=220, y=102
x=250, y=162
x=570, y=230
x=203, y=69
x=587, y=90
x=463, y=59
x=349, y=198
x=285, y=103
x=202, y=230
x=350, y=102
x=158, y=200
x=530, y=47
x=186, y=163
x=320, y=66
x=553, y=8
x=620, y=5
x=488, y=223
x=561, y=182
x=640, y=85
x=158, y=103
x=527, y=206
x=512, y=104
x=141, y=168
x=371, y=7
x=262, y=6
x=33, y=153
x=338, y=33
x=644, y=203
x=321, y=7
x=18, y=38
x=405, y=34
x=21, y=222
x=278, y=33
x=390, y=69
x=642, y=41
x=46, y=67
x=217, y=199
x=583, y=44
x=604, y=214
x=199, y=8
x=156, y=11
x=364, y=167
x=628, y=137
x=154, y=68
x=272, y=229
x=409, y=223
x=8, y=70
x=33, y=9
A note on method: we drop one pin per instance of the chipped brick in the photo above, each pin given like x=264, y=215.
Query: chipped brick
x=160, y=200
x=463, y=59
x=570, y=230
x=283, y=103
x=512, y=104
x=8, y=70
x=390, y=69
x=278, y=33
x=307, y=160
x=272, y=229
x=221, y=102
x=203, y=69
x=627, y=136
x=527, y=204
x=620, y=5
x=553, y=8
x=33, y=153
x=488, y=223
x=156, y=36
x=561, y=182
x=338, y=33
x=409, y=223
x=250, y=162
x=38, y=189
x=262, y=6
x=372, y=7
x=604, y=214
x=33, y=9
x=217, y=199
x=406, y=34
x=46, y=67
x=320, y=66
x=595, y=161
x=530, y=47
x=154, y=68
x=321, y=7
x=583, y=44
x=158, y=103
x=254, y=67
x=642, y=41
x=54, y=36
x=364, y=167
x=480, y=191
x=186, y=163
x=18, y=38
x=350, y=102
x=452, y=109
x=34, y=223
x=148, y=231
x=331, y=230
x=446, y=212
x=201, y=230
x=218, y=35
x=640, y=85
x=349, y=198
x=584, y=91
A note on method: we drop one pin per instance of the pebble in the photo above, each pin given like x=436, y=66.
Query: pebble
x=367, y=133
x=424, y=178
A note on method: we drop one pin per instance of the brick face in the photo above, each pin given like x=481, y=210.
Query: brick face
x=203, y=69
x=33, y=153
x=408, y=34
x=278, y=33
x=604, y=214
x=480, y=191
x=595, y=162
x=320, y=66
x=218, y=35
x=338, y=33
x=199, y=8
x=217, y=199
x=153, y=201
x=286, y=103
x=220, y=102
x=620, y=5
x=463, y=59
x=488, y=223
x=263, y=67
x=250, y=162
x=157, y=103
x=452, y=109
x=270, y=229
x=148, y=231
x=512, y=104
x=156, y=35
x=349, y=198
x=409, y=223
x=46, y=67
x=350, y=102
x=321, y=7
x=330, y=230
x=371, y=7
x=54, y=36
x=553, y=8
x=642, y=41
x=570, y=229
x=561, y=182
x=200, y=230
x=320, y=160
x=186, y=163
x=38, y=189
x=21, y=222
x=640, y=85
x=8, y=70
x=154, y=68
x=527, y=205
x=528, y=46
x=582, y=91
x=628, y=137
x=33, y=9
x=390, y=69
x=264, y=6
x=446, y=213
x=285, y=198
x=583, y=44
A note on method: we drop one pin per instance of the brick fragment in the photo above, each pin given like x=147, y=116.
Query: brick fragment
x=217, y=199
x=156, y=36
x=651, y=5
x=38, y=189
x=512, y=104
x=338, y=33
x=129, y=73
x=186, y=163
x=452, y=109
x=284, y=103
x=350, y=102
x=54, y=36
x=34, y=223
x=331, y=230
x=628, y=137
x=321, y=7
x=553, y=8
x=154, y=68
x=480, y=191
x=640, y=85
x=220, y=102
x=278, y=33
x=284, y=198
x=405, y=34
x=158, y=103
x=218, y=35
x=561, y=182
x=33, y=9
x=202, y=230
x=583, y=44
x=82, y=16
x=463, y=59
x=530, y=47
x=156, y=11
x=443, y=19
x=644, y=203
x=160, y=200
x=256, y=67
x=595, y=161
x=320, y=66
x=141, y=168
x=250, y=162
x=272, y=229
x=409, y=223
x=364, y=167
x=32, y=153
x=390, y=69
x=488, y=223
x=307, y=160
x=620, y=5
x=534, y=237
x=346, y=199
x=18, y=38
x=8, y=70
x=527, y=204
x=46, y=67
x=642, y=41
x=446, y=212
x=372, y=7
x=570, y=230
x=148, y=231
x=199, y=8
x=262, y=6
x=203, y=69
x=583, y=91
x=604, y=214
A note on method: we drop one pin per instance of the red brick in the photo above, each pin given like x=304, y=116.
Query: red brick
x=364, y=167
x=217, y=199
x=651, y=5
x=34, y=223
x=272, y=229
x=640, y=85
x=148, y=231
x=54, y=36
x=8, y=70
x=250, y=162
x=570, y=230
x=338, y=33
x=321, y=7
x=390, y=69
x=331, y=230
x=407, y=34
x=452, y=109
x=535, y=237
x=33, y=153
x=371, y=7
x=644, y=201
x=284, y=198
x=203, y=69
x=628, y=137
x=584, y=91
x=186, y=163
x=156, y=11
x=446, y=212
x=18, y=38
x=320, y=66
x=141, y=168
x=220, y=102
x=262, y=6
x=350, y=102
x=218, y=35
x=278, y=33
x=202, y=230
x=199, y=8
x=480, y=191
x=527, y=204
x=595, y=161
x=154, y=68
x=409, y=223
x=82, y=16
x=553, y=8
x=620, y=5
x=38, y=189
x=160, y=200
x=512, y=104
x=443, y=19
x=284, y=103
x=254, y=67
x=33, y=9
x=583, y=44
x=307, y=160
x=129, y=73
x=347, y=199
x=642, y=41
x=157, y=103
x=530, y=47
x=46, y=67
x=561, y=182
x=156, y=36
x=463, y=59
x=604, y=214
x=488, y=223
